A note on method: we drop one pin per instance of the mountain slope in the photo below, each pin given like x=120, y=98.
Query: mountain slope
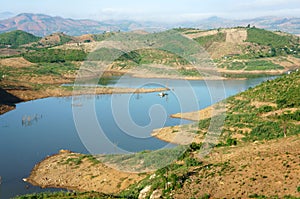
x=40, y=24
x=249, y=49
x=257, y=154
x=17, y=38
x=290, y=25
x=5, y=15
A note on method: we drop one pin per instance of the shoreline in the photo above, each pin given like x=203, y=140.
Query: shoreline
x=80, y=172
x=184, y=134
x=211, y=78
x=25, y=92
x=28, y=95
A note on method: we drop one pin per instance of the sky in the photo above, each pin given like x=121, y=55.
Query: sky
x=154, y=10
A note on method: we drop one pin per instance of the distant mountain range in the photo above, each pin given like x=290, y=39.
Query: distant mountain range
x=290, y=25
x=5, y=15
x=41, y=25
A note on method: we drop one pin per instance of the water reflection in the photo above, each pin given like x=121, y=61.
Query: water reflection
x=30, y=120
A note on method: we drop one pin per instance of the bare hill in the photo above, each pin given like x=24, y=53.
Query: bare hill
x=40, y=24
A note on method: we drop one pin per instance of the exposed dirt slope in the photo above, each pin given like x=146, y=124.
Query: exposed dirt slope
x=17, y=62
x=266, y=169
x=82, y=173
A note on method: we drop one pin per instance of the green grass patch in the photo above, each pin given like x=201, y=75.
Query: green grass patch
x=267, y=38
x=55, y=56
x=78, y=160
x=261, y=65
x=190, y=72
x=252, y=65
x=50, y=69
x=145, y=159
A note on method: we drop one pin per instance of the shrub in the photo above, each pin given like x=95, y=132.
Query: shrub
x=55, y=55
x=195, y=146
x=231, y=142
x=265, y=109
x=191, y=162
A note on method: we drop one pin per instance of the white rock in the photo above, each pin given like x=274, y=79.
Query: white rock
x=144, y=192
x=156, y=194
x=152, y=176
x=168, y=184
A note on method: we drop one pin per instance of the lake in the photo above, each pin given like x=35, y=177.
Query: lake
x=39, y=128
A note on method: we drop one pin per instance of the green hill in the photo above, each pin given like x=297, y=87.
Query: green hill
x=17, y=38
x=268, y=111
x=268, y=38
x=247, y=49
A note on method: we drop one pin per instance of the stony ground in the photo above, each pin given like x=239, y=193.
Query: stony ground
x=259, y=169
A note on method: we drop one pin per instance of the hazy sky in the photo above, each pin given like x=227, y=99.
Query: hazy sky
x=162, y=10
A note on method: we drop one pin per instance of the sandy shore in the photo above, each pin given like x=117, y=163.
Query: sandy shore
x=81, y=173
x=178, y=134
x=199, y=115
x=186, y=134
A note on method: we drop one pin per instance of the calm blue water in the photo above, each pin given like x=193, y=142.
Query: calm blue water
x=42, y=127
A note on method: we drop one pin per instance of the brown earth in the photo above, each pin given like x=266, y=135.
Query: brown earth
x=7, y=101
x=52, y=39
x=220, y=49
x=6, y=108
x=288, y=62
x=185, y=134
x=8, y=52
x=264, y=168
x=84, y=38
x=27, y=95
x=62, y=171
x=236, y=35
x=199, y=115
x=17, y=62
x=198, y=33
